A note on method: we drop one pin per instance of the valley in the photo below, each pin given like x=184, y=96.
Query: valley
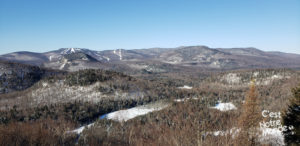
x=127, y=97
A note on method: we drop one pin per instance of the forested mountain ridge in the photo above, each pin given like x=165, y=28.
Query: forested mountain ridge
x=191, y=56
x=17, y=77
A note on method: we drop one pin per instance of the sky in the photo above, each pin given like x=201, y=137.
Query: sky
x=44, y=25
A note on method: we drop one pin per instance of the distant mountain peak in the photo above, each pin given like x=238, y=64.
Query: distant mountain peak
x=194, y=47
x=70, y=50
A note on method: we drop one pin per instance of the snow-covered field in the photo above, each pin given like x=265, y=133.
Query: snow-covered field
x=125, y=115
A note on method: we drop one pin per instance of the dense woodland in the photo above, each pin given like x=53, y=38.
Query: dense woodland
x=191, y=122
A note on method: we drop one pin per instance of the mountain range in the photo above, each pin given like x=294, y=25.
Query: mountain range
x=203, y=57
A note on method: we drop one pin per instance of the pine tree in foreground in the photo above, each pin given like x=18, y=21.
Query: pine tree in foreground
x=249, y=118
x=291, y=119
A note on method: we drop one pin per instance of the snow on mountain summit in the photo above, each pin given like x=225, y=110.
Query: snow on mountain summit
x=71, y=50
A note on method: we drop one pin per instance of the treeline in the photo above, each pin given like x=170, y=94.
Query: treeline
x=90, y=76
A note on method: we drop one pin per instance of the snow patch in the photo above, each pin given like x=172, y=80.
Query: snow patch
x=107, y=58
x=271, y=135
x=233, y=132
x=184, y=99
x=175, y=59
x=44, y=84
x=255, y=74
x=276, y=77
x=185, y=87
x=216, y=64
x=63, y=65
x=225, y=106
x=72, y=50
x=80, y=129
x=125, y=115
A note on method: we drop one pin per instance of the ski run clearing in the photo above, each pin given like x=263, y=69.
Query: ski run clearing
x=119, y=53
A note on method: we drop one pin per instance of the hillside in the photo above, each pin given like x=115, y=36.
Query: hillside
x=103, y=99
x=17, y=77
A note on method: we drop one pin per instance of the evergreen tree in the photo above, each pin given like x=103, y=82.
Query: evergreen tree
x=291, y=119
x=249, y=119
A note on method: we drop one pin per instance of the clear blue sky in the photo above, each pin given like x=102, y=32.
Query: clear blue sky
x=44, y=25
